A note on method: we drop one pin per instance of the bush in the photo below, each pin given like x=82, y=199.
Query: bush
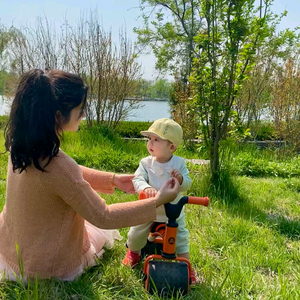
x=248, y=165
x=101, y=148
x=3, y=121
x=131, y=129
x=264, y=130
x=114, y=161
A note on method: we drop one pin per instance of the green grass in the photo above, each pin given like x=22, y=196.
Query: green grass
x=102, y=149
x=245, y=245
x=244, y=159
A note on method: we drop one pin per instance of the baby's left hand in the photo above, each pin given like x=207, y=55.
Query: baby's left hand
x=177, y=174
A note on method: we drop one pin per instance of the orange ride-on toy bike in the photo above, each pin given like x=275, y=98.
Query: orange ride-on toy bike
x=166, y=273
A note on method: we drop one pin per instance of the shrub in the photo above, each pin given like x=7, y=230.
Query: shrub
x=131, y=129
x=101, y=148
x=3, y=121
x=263, y=130
x=246, y=164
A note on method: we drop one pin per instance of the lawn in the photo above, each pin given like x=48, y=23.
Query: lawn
x=245, y=245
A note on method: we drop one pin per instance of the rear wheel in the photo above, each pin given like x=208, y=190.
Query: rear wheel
x=168, y=278
x=151, y=248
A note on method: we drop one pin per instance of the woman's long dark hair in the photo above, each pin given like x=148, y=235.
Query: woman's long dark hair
x=31, y=134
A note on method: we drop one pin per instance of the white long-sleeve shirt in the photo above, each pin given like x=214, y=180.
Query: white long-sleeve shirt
x=151, y=173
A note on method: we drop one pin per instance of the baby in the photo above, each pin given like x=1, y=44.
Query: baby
x=164, y=137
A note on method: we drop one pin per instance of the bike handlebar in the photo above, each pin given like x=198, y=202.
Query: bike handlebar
x=173, y=210
x=198, y=200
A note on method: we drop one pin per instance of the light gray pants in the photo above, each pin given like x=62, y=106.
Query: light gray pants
x=137, y=236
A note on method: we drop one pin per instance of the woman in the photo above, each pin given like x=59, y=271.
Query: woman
x=53, y=220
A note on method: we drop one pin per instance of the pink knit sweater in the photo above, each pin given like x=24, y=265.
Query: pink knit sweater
x=45, y=211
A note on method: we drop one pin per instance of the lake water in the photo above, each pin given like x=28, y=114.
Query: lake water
x=147, y=111
x=150, y=111
x=4, y=109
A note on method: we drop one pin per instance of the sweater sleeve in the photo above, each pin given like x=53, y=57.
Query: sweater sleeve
x=186, y=180
x=100, y=181
x=140, y=181
x=86, y=202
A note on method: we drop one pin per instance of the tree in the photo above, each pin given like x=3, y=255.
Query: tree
x=285, y=101
x=226, y=49
x=160, y=89
x=86, y=49
x=169, y=29
x=183, y=112
x=6, y=37
x=172, y=42
x=253, y=101
x=143, y=89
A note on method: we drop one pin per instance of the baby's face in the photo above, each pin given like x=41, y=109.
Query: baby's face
x=161, y=149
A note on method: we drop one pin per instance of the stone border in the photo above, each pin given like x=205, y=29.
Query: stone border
x=194, y=161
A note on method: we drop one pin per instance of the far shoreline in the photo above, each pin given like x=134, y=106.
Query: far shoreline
x=149, y=99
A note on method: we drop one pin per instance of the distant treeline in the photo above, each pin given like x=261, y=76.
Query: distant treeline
x=158, y=90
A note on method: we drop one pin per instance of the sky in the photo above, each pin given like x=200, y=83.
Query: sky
x=114, y=15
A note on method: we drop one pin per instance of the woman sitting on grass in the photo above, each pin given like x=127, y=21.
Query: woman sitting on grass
x=54, y=223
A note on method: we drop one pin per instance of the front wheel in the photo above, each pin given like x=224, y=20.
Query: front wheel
x=167, y=278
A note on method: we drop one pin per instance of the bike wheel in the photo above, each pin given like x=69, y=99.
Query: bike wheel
x=168, y=278
x=151, y=248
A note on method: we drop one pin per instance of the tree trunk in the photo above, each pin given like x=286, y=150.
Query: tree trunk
x=214, y=153
x=214, y=162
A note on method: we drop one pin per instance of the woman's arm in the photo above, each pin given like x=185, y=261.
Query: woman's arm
x=105, y=182
x=100, y=181
x=86, y=202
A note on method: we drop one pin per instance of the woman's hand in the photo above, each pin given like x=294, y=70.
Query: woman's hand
x=124, y=183
x=150, y=192
x=168, y=192
x=177, y=174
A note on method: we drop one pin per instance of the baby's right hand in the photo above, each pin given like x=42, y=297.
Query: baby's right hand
x=167, y=192
x=150, y=192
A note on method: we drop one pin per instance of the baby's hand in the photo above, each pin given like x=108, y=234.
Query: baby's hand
x=150, y=192
x=177, y=174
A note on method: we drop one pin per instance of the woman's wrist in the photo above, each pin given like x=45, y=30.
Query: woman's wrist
x=114, y=179
x=158, y=199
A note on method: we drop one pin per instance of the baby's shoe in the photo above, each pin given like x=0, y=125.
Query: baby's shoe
x=193, y=277
x=131, y=259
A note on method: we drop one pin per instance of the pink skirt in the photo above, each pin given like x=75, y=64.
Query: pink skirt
x=99, y=238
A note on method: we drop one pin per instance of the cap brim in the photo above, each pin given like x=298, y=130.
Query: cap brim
x=147, y=133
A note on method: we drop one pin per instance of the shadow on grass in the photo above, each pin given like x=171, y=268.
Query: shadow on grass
x=107, y=280
x=227, y=192
x=129, y=282
x=202, y=291
x=48, y=289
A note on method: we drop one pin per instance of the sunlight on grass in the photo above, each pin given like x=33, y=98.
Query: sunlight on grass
x=245, y=245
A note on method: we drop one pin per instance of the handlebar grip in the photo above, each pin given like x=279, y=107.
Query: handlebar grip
x=142, y=195
x=198, y=200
